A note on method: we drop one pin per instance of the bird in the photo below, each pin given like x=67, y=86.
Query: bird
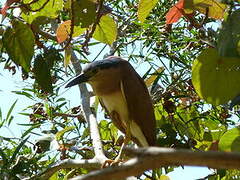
x=124, y=96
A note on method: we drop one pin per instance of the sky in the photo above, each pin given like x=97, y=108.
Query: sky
x=9, y=83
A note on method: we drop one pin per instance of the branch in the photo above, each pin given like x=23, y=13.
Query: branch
x=64, y=115
x=89, y=116
x=94, y=26
x=154, y=157
x=68, y=163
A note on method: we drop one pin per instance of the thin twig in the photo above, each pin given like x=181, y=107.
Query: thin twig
x=90, y=34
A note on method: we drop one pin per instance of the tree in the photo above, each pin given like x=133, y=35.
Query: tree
x=191, y=66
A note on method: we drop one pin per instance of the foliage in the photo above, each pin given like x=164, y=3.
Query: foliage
x=191, y=68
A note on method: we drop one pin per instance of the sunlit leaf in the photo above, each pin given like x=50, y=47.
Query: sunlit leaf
x=19, y=43
x=164, y=177
x=230, y=141
x=50, y=8
x=144, y=8
x=229, y=36
x=153, y=77
x=175, y=13
x=60, y=134
x=67, y=57
x=212, y=77
x=215, y=8
x=106, y=30
x=105, y=130
x=64, y=29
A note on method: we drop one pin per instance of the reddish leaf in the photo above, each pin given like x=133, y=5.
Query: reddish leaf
x=175, y=13
x=6, y=6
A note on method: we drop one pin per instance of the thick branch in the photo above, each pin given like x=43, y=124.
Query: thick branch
x=154, y=157
x=94, y=132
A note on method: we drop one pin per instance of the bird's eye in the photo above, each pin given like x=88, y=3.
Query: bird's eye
x=94, y=71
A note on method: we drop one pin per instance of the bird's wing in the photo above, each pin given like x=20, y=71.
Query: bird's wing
x=139, y=103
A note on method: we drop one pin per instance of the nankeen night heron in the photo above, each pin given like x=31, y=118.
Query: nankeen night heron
x=124, y=95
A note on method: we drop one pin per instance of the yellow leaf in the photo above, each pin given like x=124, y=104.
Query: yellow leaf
x=67, y=57
x=153, y=77
x=106, y=30
x=164, y=177
x=64, y=29
x=144, y=8
x=216, y=9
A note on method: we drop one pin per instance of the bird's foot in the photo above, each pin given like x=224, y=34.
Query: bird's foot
x=110, y=162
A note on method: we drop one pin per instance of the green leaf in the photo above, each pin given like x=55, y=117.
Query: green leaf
x=19, y=44
x=106, y=30
x=229, y=36
x=60, y=134
x=230, y=141
x=24, y=93
x=18, y=149
x=144, y=8
x=42, y=74
x=104, y=130
x=214, y=8
x=51, y=56
x=67, y=57
x=34, y=126
x=216, y=79
x=50, y=10
x=9, y=118
x=4, y=157
x=84, y=12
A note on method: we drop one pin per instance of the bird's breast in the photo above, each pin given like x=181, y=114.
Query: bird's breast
x=115, y=102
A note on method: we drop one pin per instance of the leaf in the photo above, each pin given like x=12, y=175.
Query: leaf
x=64, y=29
x=229, y=36
x=51, y=55
x=50, y=10
x=106, y=30
x=24, y=93
x=84, y=12
x=8, y=3
x=4, y=157
x=164, y=177
x=175, y=13
x=8, y=118
x=19, y=44
x=42, y=74
x=215, y=9
x=144, y=8
x=105, y=130
x=34, y=126
x=154, y=76
x=60, y=134
x=230, y=141
x=67, y=57
x=17, y=150
x=216, y=79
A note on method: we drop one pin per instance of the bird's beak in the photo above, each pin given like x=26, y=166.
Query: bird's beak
x=78, y=80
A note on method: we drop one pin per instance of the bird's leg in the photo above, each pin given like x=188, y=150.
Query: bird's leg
x=125, y=142
x=127, y=138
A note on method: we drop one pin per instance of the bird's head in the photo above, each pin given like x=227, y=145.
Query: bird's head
x=99, y=71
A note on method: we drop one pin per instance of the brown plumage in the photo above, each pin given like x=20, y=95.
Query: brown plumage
x=124, y=95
